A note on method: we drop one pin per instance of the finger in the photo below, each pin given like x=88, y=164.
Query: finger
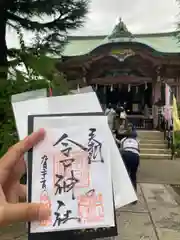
x=18, y=170
x=22, y=192
x=8, y=178
x=23, y=212
x=15, y=192
x=11, y=193
x=2, y=196
x=17, y=151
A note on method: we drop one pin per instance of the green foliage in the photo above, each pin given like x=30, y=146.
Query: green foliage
x=41, y=74
x=49, y=20
x=8, y=134
x=177, y=139
x=176, y=144
x=178, y=108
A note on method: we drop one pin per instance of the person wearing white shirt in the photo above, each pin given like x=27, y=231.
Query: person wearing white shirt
x=130, y=153
x=110, y=115
x=123, y=115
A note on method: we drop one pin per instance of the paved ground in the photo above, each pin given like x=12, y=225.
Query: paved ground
x=155, y=217
x=159, y=171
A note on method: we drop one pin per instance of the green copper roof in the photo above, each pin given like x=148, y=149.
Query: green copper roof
x=120, y=30
x=83, y=45
x=161, y=42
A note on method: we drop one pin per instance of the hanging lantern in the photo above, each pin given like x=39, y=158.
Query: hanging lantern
x=146, y=86
x=50, y=89
x=84, y=79
x=137, y=89
x=78, y=88
x=129, y=87
x=158, y=78
x=111, y=88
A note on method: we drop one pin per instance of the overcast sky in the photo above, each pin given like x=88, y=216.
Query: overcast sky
x=140, y=16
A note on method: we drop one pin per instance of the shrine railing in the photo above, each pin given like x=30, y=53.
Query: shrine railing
x=141, y=122
x=168, y=137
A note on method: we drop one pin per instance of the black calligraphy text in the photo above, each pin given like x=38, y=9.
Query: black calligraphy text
x=63, y=218
x=43, y=180
x=94, y=147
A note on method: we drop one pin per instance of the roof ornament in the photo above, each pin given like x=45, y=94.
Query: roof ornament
x=120, y=31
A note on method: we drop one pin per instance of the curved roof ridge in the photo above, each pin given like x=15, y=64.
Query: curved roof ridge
x=160, y=34
x=120, y=30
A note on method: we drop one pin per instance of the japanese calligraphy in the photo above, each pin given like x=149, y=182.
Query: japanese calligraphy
x=44, y=159
x=81, y=169
x=65, y=144
x=94, y=148
x=65, y=184
x=44, y=198
x=62, y=218
x=71, y=176
x=65, y=179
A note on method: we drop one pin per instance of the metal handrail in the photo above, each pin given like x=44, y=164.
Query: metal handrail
x=168, y=135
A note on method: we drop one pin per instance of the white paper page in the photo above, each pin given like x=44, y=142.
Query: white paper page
x=19, y=110
x=78, y=103
x=79, y=182
x=24, y=96
x=83, y=90
x=23, y=109
x=86, y=102
x=123, y=191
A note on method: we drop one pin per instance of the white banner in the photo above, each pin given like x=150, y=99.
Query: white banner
x=167, y=108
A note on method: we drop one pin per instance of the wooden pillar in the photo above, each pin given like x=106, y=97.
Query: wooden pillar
x=178, y=89
x=157, y=90
x=156, y=97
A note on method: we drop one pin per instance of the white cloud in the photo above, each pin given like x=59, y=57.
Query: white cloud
x=140, y=16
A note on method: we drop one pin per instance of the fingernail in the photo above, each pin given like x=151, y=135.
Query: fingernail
x=41, y=130
x=44, y=212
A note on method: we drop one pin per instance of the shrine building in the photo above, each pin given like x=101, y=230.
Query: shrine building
x=125, y=68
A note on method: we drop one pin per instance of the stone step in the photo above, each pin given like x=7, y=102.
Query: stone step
x=154, y=150
x=153, y=145
x=153, y=156
x=152, y=141
x=150, y=134
x=150, y=137
x=149, y=131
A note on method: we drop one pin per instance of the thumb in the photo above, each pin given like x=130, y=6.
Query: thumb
x=23, y=212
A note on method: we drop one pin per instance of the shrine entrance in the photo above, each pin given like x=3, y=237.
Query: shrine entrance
x=136, y=99
x=124, y=71
x=133, y=98
x=124, y=78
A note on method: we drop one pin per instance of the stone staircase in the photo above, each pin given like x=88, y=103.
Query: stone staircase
x=153, y=146
x=156, y=165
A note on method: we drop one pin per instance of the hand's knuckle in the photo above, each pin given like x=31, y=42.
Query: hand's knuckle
x=31, y=212
x=17, y=149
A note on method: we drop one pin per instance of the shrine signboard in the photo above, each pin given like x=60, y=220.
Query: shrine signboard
x=122, y=54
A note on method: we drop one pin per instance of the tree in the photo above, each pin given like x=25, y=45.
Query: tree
x=60, y=15
x=37, y=72
x=18, y=82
